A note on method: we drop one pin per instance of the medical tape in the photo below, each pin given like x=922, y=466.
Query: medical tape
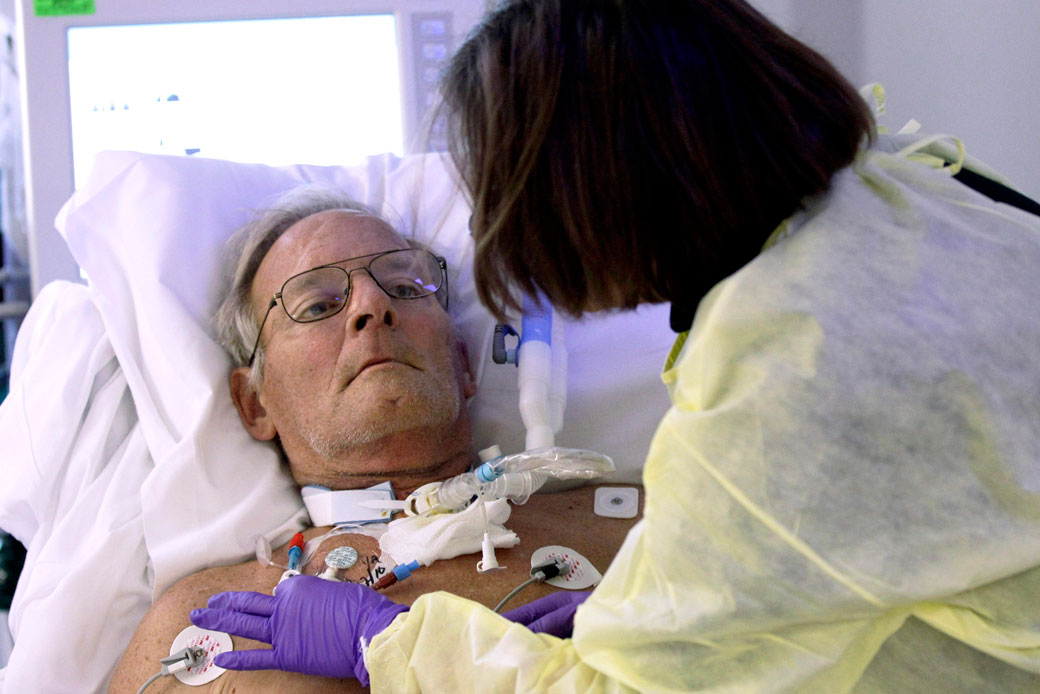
x=327, y=507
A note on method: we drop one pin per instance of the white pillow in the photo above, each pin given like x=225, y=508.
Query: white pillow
x=148, y=231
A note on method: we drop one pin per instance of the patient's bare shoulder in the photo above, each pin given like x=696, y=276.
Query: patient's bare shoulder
x=169, y=615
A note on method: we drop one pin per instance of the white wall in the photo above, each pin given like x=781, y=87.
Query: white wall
x=970, y=68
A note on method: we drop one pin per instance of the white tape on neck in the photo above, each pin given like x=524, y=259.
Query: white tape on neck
x=373, y=505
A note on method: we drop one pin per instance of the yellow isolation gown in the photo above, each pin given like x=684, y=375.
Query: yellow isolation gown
x=845, y=493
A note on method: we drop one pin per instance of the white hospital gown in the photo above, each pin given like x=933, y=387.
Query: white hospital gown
x=845, y=493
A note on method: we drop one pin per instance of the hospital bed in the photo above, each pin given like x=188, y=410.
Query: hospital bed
x=125, y=466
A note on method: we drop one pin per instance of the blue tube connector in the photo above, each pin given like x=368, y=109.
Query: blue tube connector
x=536, y=323
x=403, y=571
x=397, y=574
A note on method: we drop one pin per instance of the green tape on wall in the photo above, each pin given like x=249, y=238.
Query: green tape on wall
x=55, y=8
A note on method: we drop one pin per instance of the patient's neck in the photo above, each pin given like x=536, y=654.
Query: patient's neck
x=407, y=459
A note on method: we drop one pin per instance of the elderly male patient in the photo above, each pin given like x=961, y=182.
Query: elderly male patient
x=357, y=387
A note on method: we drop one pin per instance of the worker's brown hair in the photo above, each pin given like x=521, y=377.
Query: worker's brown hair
x=621, y=151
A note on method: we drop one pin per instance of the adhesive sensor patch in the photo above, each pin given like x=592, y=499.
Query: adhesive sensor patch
x=582, y=573
x=616, y=502
x=341, y=558
x=212, y=642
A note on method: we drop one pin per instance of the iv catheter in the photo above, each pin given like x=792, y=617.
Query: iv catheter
x=295, y=552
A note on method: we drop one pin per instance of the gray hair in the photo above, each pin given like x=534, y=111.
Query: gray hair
x=236, y=323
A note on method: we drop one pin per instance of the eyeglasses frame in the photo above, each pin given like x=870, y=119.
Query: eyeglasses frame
x=443, y=286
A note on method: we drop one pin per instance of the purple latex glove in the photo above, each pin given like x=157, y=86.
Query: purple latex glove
x=553, y=614
x=315, y=626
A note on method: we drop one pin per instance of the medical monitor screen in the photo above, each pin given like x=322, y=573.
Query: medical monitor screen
x=318, y=90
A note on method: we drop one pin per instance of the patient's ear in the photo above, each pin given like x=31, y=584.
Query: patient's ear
x=247, y=402
x=469, y=383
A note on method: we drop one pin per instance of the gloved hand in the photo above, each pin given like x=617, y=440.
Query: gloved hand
x=315, y=626
x=553, y=614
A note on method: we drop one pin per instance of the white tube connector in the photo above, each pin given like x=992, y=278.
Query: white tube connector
x=542, y=374
x=533, y=381
x=289, y=573
x=558, y=379
x=488, y=561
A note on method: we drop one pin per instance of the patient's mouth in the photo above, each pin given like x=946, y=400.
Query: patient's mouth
x=377, y=364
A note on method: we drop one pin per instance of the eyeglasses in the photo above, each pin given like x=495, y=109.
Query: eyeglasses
x=323, y=291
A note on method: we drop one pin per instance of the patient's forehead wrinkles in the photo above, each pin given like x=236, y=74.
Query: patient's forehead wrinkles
x=339, y=238
x=325, y=237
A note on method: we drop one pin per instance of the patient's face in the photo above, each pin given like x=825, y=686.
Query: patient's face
x=375, y=392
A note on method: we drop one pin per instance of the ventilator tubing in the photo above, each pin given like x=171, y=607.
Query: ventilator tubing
x=517, y=476
x=542, y=373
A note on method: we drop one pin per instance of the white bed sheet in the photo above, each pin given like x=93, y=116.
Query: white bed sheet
x=6, y=643
x=128, y=468
x=73, y=499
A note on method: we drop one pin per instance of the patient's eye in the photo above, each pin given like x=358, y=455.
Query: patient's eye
x=315, y=305
x=405, y=288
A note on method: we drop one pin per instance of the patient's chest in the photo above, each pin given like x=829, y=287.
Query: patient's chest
x=564, y=518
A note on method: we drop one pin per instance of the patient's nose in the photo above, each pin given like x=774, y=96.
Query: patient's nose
x=368, y=304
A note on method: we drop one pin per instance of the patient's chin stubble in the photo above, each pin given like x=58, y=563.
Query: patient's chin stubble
x=428, y=408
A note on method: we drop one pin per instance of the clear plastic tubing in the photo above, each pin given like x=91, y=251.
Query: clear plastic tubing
x=458, y=492
x=517, y=476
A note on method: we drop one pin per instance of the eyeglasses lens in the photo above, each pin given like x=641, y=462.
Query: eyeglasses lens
x=322, y=292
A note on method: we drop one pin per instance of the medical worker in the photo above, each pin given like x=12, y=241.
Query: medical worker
x=845, y=493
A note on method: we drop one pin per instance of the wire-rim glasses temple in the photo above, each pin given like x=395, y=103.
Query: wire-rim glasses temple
x=319, y=293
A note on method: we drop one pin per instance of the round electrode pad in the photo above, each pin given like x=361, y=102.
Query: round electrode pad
x=341, y=558
x=582, y=573
x=213, y=642
x=616, y=502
